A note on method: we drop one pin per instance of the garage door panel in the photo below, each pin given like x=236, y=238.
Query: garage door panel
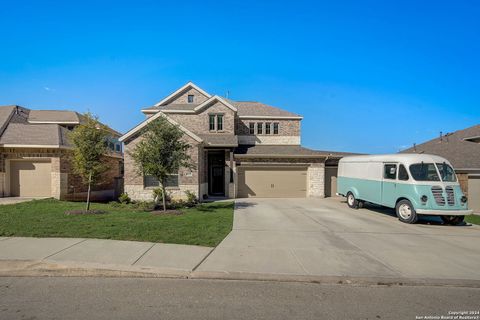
x=275, y=182
x=30, y=178
x=474, y=193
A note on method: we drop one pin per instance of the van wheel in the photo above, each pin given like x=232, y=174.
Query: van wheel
x=405, y=212
x=351, y=201
x=452, y=220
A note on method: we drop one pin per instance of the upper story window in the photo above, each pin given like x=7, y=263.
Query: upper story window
x=215, y=122
x=117, y=147
x=220, y=122
x=190, y=98
x=211, y=123
x=268, y=128
x=251, y=127
x=259, y=127
x=275, y=128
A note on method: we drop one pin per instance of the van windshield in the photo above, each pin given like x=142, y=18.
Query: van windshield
x=446, y=172
x=424, y=172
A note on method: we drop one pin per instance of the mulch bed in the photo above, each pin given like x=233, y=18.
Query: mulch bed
x=77, y=212
x=167, y=213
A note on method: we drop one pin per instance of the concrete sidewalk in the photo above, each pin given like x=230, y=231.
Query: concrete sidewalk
x=60, y=253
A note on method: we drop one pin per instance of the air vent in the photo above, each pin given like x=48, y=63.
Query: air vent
x=450, y=196
x=437, y=192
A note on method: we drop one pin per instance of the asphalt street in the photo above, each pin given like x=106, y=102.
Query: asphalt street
x=133, y=298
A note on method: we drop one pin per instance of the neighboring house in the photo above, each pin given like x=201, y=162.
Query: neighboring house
x=462, y=149
x=239, y=148
x=34, y=156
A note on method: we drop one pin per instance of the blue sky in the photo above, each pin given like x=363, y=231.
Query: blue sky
x=368, y=76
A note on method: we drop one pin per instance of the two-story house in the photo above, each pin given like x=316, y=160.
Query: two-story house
x=240, y=149
x=35, y=156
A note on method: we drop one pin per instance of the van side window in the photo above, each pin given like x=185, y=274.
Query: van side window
x=390, y=171
x=402, y=173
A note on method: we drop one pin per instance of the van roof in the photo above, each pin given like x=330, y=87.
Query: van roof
x=406, y=158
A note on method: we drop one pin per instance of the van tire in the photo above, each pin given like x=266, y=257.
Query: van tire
x=352, y=202
x=452, y=220
x=406, y=212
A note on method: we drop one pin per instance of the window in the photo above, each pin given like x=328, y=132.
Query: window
x=212, y=122
x=446, y=172
x=390, y=171
x=424, y=172
x=190, y=98
x=117, y=147
x=251, y=127
x=219, y=122
x=111, y=146
x=259, y=127
x=275, y=128
x=267, y=128
x=402, y=173
x=152, y=182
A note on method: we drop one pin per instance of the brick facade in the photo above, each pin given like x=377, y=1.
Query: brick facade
x=182, y=98
x=65, y=184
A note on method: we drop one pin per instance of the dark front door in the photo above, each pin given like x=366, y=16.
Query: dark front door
x=216, y=173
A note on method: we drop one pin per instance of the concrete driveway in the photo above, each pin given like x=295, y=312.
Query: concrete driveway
x=323, y=237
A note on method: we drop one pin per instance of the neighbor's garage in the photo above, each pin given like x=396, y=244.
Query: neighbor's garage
x=30, y=178
x=272, y=182
x=474, y=192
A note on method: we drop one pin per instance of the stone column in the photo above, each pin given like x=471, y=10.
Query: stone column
x=316, y=180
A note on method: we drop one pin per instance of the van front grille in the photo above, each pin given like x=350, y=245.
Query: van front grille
x=438, y=195
x=450, y=196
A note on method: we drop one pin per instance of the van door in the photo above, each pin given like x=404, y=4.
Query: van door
x=389, y=184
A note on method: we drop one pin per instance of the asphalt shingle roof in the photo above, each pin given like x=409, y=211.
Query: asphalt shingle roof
x=463, y=154
x=60, y=116
x=229, y=140
x=285, y=150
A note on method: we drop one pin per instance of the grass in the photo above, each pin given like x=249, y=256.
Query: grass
x=475, y=219
x=205, y=225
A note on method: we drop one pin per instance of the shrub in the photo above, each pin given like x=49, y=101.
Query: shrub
x=157, y=194
x=143, y=205
x=124, y=198
x=191, y=198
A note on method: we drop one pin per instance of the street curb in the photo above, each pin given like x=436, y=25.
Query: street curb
x=31, y=268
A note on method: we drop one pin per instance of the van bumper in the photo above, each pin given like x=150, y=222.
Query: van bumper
x=444, y=212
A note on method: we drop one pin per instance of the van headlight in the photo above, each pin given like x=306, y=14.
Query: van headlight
x=464, y=199
x=424, y=198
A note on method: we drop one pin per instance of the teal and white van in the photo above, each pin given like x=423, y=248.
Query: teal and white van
x=413, y=184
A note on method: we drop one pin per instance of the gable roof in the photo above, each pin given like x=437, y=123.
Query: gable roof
x=455, y=147
x=187, y=86
x=284, y=151
x=144, y=123
x=6, y=113
x=253, y=109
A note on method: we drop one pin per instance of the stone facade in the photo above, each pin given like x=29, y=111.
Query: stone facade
x=199, y=123
x=269, y=140
x=188, y=179
x=65, y=184
x=316, y=180
x=285, y=127
x=198, y=97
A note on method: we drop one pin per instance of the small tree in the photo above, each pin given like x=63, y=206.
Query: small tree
x=161, y=152
x=89, y=141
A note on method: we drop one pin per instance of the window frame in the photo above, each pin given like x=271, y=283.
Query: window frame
x=190, y=96
x=220, y=121
x=268, y=128
x=156, y=183
x=251, y=128
x=400, y=166
x=385, y=177
x=212, y=122
x=259, y=127
x=276, y=127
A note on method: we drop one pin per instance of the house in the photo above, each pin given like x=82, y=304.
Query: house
x=34, y=156
x=462, y=149
x=240, y=149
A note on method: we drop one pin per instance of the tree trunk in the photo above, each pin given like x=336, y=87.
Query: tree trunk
x=88, y=192
x=164, y=198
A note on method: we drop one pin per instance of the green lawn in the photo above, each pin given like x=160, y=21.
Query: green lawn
x=204, y=225
x=473, y=219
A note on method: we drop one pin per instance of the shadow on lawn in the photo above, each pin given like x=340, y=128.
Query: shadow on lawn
x=211, y=207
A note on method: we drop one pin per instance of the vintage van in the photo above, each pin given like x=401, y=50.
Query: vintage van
x=413, y=184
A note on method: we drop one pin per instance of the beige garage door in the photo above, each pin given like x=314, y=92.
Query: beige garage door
x=265, y=182
x=474, y=193
x=30, y=178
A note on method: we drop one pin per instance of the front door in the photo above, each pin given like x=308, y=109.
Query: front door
x=216, y=173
